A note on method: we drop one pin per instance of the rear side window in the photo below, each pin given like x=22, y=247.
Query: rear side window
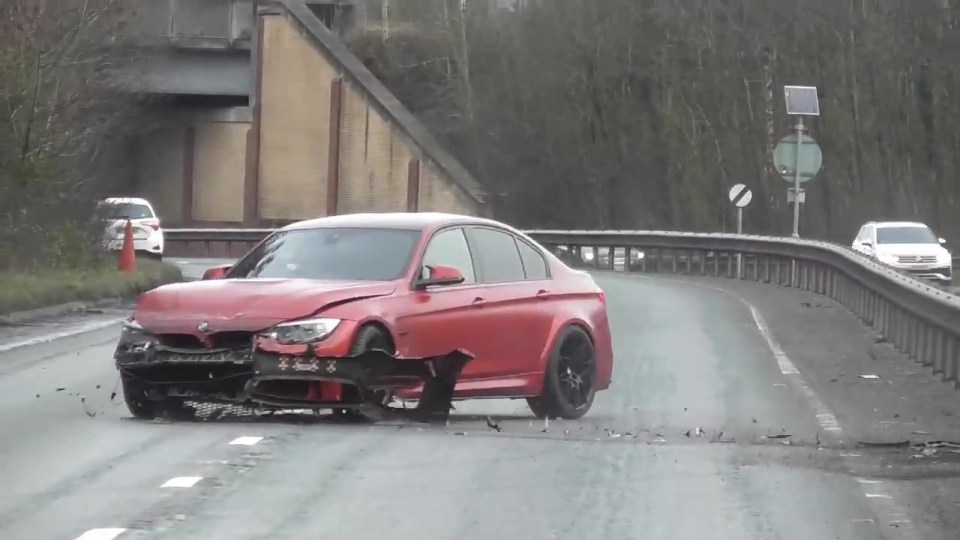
x=533, y=264
x=498, y=259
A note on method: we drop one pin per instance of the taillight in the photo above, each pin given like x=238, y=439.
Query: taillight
x=155, y=225
x=603, y=298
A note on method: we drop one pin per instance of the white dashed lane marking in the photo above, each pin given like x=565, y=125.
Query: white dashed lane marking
x=182, y=481
x=246, y=441
x=101, y=534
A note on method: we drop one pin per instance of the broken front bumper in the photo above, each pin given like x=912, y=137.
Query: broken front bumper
x=244, y=376
x=371, y=371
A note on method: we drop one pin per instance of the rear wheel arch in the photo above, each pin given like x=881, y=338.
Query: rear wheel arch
x=558, y=329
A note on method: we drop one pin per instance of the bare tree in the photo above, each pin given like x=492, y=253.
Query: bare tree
x=641, y=113
x=59, y=121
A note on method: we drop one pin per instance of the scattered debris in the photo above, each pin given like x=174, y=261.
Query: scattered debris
x=700, y=432
x=778, y=436
x=459, y=433
x=869, y=376
x=83, y=402
x=687, y=433
x=816, y=305
x=918, y=432
x=493, y=425
x=60, y=389
x=896, y=444
x=933, y=448
x=720, y=439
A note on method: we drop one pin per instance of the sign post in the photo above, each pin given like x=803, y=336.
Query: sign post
x=798, y=157
x=740, y=195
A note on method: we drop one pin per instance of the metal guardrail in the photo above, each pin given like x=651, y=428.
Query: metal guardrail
x=920, y=320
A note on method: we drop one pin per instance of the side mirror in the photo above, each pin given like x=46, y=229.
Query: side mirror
x=942, y=241
x=438, y=275
x=217, y=272
x=867, y=244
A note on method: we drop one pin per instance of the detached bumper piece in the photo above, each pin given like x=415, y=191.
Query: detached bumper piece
x=372, y=371
x=216, y=375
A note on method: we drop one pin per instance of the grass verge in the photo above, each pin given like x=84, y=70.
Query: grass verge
x=26, y=291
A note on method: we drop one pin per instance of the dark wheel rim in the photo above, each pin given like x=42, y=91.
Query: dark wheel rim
x=575, y=370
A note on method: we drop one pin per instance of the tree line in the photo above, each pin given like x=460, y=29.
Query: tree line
x=643, y=113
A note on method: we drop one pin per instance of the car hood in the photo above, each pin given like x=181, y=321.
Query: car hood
x=245, y=304
x=912, y=249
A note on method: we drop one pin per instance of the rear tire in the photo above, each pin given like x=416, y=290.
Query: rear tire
x=569, y=379
x=369, y=337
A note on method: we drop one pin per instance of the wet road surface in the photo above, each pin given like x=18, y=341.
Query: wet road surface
x=721, y=423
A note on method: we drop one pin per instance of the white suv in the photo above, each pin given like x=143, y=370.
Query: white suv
x=907, y=246
x=147, y=234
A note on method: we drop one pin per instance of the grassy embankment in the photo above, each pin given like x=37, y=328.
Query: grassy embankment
x=21, y=291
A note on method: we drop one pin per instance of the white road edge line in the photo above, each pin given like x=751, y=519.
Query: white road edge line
x=182, y=482
x=826, y=419
x=101, y=534
x=47, y=338
x=246, y=441
x=883, y=504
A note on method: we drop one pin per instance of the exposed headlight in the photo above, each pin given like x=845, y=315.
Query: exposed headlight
x=306, y=331
x=588, y=256
x=134, y=336
x=945, y=259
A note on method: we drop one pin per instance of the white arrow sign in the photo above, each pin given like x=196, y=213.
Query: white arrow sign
x=740, y=195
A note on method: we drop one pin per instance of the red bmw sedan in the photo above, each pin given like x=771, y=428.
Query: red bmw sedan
x=347, y=312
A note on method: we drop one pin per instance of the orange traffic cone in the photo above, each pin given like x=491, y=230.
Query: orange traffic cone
x=128, y=259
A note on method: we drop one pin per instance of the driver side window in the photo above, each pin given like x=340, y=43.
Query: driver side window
x=449, y=248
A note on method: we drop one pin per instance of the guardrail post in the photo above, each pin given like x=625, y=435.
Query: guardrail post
x=939, y=349
x=950, y=359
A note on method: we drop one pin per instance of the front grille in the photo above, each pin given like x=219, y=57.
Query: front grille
x=917, y=259
x=218, y=340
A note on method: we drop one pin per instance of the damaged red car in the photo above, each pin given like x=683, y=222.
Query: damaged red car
x=348, y=312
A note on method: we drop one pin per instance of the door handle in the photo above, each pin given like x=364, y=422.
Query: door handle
x=478, y=301
x=543, y=294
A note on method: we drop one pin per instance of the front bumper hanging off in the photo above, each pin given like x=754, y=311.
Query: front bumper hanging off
x=249, y=376
x=371, y=371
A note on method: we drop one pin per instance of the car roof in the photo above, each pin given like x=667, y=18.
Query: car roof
x=126, y=200
x=885, y=224
x=394, y=220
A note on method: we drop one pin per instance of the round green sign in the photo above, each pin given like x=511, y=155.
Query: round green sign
x=785, y=158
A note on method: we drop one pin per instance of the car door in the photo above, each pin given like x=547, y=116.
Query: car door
x=515, y=307
x=440, y=319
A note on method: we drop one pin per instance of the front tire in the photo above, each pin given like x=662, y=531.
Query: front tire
x=136, y=396
x=138, y=403
x=570, y=378
x=370, y=337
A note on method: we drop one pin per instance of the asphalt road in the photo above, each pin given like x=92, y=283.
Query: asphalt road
x=721, y=423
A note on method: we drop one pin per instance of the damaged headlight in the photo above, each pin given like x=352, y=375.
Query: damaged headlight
x=134, y=337
x=300, y=332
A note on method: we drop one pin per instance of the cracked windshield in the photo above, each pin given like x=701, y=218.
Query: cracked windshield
x=479, y=270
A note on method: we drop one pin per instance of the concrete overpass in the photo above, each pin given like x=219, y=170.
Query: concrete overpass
x=269, y=118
